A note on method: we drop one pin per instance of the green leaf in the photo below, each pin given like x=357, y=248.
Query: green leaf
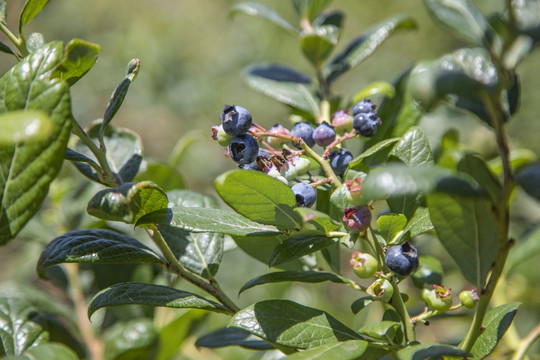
x=401, y=180
x=34, y=42
x=24, y=126
x=496, y=322
x=48, y=351
x=134, y=339
x=283, y=84
x=258, y=9
x=19, y=329
x=527, y=246
x=467, y=229
x=375, y=89
x=315, y=7
x=190, y=199
x=300, y=276
x=528, y=179
x=262, y=247
x=390, y=225
x=128, y=202
x=414, y=149
x=117, y=97
x=153, y=295
x=361, y=303
x=6, y=49
x=96, y=246
x=477, y=168
x=28, y=168
x=365, y=45
x=207, y=220
x=124, y=152
x=79, y=57
x=173, y=334
x=527, y=16
x=259, y=197
x=429, y=351
x=3, y=11
x=162, y=174
x=338, y=203
x=519, y=159
x=30, y=10
x=463, y=19
x=383, y=331
x=316, y=220
x=297, y=246
x=344, y=350
x=293, y=325
x=319, y=43
x=380, y=147
x=430, y=272
x=232, y=336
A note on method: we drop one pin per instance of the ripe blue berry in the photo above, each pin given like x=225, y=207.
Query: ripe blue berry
x=366, y=124
x=236, y=120
x=244, y=149
x=363, y=106
x=253, y=165
x=305, y=194
x=402, y=259
x=339, y=160
x=324, y=134
x=304, y=131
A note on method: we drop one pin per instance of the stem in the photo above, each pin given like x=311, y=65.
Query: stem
x=94, y=344
x=324, y=164
x=503, y=222
x=18, y=42
x=174, y=265
x=526, y=343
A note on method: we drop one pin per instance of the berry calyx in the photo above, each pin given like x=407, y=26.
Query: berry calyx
x=381, y=290
x=305, y=194
x=235, y=120
x=357, y=218
x=354, y=191
x=364, y=265
x=402, y=259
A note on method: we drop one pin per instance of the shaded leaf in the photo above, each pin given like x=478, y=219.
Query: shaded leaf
x=300, y=276
x=467, y=229
x=128, y=202
x=48, y=351
x=259, y=197
x=6, y=49
x=477, y=168
x=383, y=331
x=527, y=246
x=232, y=337
x=29, y=167
x=162, y=174
x=97, y=246
x=258, y=9
x=496, y=322
x=382, y=146
x=528, y=179
x=361, y=303
x=297, y=246
x=319, y=43
x=79, y=57
x=414, y=149
x=153, y=295
x=30, y=10
x=419, y=223
x=207, y=220
x=343, y=350
x=429, y=272
x=136, y=338
x=317, y=220
x=428, y=351
x=293, y=325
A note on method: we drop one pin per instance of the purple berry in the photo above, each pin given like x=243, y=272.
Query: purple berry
x=339, y=160
x=402, y=259
x=244, y=149
x=305, y=194
x=324, y=134
x=304, y=131
x=357, y=218
x=236, y=120
x=363, y=106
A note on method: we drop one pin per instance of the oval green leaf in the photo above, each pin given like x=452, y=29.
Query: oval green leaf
x=429, y=351
x=377, y=88
x=30, y=10
x=232, y=337
x=298, y=276
x=343, y=350
x=260, y=10
x=297, y=246
x=319, y=43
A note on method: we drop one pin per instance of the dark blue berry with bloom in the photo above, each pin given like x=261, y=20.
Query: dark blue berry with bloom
x=324, y=134
x=366, y=124
x=244, y=149
x=236, y=120
x=364, y=106
x=305, y=194
x=304, y=131
x=402, y=259
x=253, y=165
x=339, y=160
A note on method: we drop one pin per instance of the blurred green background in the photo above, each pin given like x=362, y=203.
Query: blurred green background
x=192, y=54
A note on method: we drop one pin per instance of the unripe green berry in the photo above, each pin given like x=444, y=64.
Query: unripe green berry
x=468, y=298
x=364, y=265
x=221, y=136
x=381, y=290
x=439, y=299
x=302, y=165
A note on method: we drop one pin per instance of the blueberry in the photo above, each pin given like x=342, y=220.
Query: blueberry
x=339, y=160
x=304, y=131
x=244, y=149
x=235, y=120
x=363, y=106
x=253, y=165
x=324, y=134
x=305, y=194
x=357, y=218
x=402, y=259
x=366, y=124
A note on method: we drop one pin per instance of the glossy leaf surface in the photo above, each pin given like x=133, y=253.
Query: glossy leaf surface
x=299, y=276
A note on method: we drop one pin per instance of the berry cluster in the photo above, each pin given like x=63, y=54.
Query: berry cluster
x=365, y=121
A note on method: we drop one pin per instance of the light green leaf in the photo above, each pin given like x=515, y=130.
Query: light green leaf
x=153, y=295
x=293, y=325
x=258, y=9
x=128, y=202
x=283, y=84
x=527, y=16
x=496, y=322
x=519, y=158
x=365, y=45
x=299, y=276
x=34, y=42
x=97, y=246
x=319, y=43
x=429, y=272
x=207, y=220
x=467, y=229
x=429, y=351
x=380, y=147
x=317, y=220
x=382, y=331
x=24, y=126
x=259, y=197
x=414, y=149
x=343, y=350
x=474, y=166
x=27, y=169
x=375, y=89
x=79, y=57
x=3, y=11
x=48, y=351
x=297, y=246
x=19, y=328
x=232, y=336
x=389, y=225
x=30, y=10
x=136, y=338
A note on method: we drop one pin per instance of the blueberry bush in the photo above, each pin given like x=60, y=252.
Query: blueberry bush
x=347, y=191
